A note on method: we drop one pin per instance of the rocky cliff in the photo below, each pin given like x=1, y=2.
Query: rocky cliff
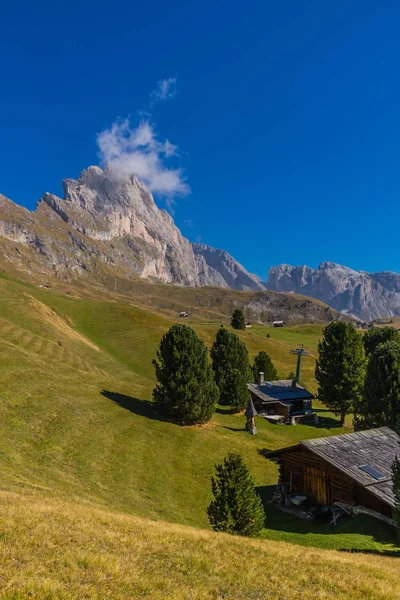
x=108, y=224
x=366, y=296
x=232, y=272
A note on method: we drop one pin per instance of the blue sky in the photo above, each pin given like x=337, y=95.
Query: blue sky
x=285, y=116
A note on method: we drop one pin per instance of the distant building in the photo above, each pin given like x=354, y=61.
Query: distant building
x=278, y=323
x=183, y=314
x=283, y=401
x=350, y=469
x=247, y=324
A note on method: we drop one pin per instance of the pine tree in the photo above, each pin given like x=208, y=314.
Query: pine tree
x=235, y=390
x=237, y=320
x=396, y=491
x=379, y=405
x=379, y=335
x=236, y=508
x=340, y=368
x=230, y=361
x=264, y=364
x=186, y=390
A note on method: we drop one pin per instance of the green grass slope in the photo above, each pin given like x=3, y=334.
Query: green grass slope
x=77, y=425
x=52, y=549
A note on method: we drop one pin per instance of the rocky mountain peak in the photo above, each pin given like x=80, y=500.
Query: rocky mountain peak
x=366, y=296
x=114, y=221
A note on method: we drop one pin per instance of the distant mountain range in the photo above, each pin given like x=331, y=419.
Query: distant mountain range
x=365, y=296
x=107, y=227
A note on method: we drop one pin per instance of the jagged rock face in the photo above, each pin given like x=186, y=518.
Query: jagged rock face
x=115, y=222
x=366, y=296
x=236, y=276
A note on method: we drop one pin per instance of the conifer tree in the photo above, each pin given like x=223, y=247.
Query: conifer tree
x=236, y=508
x=379, y=335
x=186, y=390
x=340, y=368
x=379, y=404
x=264, y=364
x=235, y=390
x=230, y=361
x=396, y=491
x=237, y=320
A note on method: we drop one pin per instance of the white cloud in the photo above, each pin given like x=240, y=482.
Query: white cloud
x=136, y=151
x=165, y=90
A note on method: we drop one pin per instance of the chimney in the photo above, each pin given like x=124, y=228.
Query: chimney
x=260, y=378
x=294, y=384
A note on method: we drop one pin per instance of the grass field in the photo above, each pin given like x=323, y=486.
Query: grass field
x=53, y=549
x=82, y=446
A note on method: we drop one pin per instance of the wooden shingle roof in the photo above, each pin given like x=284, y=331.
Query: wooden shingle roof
x=281, y=390
x=374, y=449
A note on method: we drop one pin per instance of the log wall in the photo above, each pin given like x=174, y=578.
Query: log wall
x=297, y=469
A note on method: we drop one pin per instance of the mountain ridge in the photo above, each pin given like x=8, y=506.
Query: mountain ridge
x=115, y=221
x=359, y=294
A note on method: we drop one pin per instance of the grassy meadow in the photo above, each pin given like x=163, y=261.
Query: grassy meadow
x=91, y=472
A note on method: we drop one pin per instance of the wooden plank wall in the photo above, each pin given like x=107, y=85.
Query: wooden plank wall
x=341, y=487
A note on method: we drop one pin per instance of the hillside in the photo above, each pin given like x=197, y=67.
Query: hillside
x=72, y=550
x=81, y=443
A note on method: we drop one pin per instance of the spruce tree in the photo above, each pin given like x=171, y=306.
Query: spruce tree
x=235, y=390
x=380, y=403
x=396, y=491
x=236, y=508
x=230, y=361
x=264, y=364
x=186, y=390
x=379, y=335
x=237, y=320
x=340, y=368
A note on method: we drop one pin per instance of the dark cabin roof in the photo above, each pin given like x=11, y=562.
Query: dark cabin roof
x=279, y=391
x=374, y=448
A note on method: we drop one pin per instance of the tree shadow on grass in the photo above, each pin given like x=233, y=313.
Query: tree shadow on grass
x=225, y=410
x=277, y=520
x=142, y=408
x=390, y=553
x=266, y=492
x=326, y=422
x=233, y=428
x=264, y=452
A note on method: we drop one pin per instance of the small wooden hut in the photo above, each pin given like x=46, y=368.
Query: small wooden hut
x=282, y=401
x=353, y=469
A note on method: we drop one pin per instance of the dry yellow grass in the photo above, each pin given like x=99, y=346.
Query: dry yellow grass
x=54, y=549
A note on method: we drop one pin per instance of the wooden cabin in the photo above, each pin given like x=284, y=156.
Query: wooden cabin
x=282, y=401
x=353, y=469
